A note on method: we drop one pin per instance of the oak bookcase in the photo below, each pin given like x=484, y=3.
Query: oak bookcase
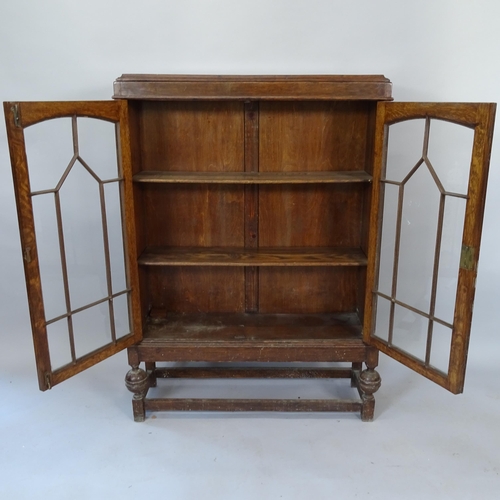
x=253, y=213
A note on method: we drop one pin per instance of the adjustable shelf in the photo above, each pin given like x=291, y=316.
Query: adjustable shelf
x=220, y=256
x=161, y=177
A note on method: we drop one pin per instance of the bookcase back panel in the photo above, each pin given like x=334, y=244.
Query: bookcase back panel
x=194, y=215
x=197, y=289
x=203, y=136
x=310, y=215
x=231, y=136
x=313, y=135
x=303, y=290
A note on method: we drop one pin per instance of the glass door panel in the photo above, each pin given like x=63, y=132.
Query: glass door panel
x=429, y=188
x=72, y=175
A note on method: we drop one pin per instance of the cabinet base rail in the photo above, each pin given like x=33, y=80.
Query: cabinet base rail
x=231, y=405
x=138, y=381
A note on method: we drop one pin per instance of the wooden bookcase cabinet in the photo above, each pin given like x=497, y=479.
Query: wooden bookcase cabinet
x=252, y=221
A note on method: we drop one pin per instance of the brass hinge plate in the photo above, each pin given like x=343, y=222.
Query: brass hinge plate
x=467, y=258
x=15, y=111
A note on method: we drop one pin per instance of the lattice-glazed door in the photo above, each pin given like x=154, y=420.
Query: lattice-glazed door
x=74, y=199
x=431, y=166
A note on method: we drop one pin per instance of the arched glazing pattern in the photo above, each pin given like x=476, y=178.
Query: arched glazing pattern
x=74, y=199
x=78, y=207
x=431, y=170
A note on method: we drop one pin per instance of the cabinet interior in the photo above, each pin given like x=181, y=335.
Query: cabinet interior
x=269, y=197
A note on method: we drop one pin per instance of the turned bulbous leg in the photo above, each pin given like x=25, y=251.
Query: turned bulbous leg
x=369, y=383
x=137, y=382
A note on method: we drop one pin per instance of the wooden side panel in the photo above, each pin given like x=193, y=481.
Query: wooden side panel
x=367, y=204
x=194, y=137
x=134, y=111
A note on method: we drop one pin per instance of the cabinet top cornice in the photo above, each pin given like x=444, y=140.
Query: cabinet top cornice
x=252, y=87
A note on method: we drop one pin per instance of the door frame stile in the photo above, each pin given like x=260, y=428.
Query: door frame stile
x=17, y=149
x=474, y=214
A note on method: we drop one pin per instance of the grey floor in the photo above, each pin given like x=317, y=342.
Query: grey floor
x=79, y=440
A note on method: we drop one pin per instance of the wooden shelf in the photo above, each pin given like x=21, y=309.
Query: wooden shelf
x=252, y=328
x=219, y=256
x=163, y=177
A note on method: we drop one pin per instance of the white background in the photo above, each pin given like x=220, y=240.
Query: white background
x=424, y=442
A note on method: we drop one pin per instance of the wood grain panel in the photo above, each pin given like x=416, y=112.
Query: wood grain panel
x=308, y=290
x=313, y=136
x=187, y=215
x=309, y=215
x=193, y=136
x=197, y=289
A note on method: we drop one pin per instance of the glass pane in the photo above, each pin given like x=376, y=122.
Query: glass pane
x=383, y=316
x=49, y=256
x=122, y=321
x=441, y=347
x=418, y=239
x=450, y=152
x=449, y=261
x=97, y=146
x=406, y=140
x=59, y=346
x=410, y=332
x=389, y=216
x=91, y=329
x=83, y=237
x=115, y=236
x=49, y=148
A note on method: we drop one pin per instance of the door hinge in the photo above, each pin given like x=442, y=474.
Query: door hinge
x=27, y=254
x=15, y=111
x=467, y=258
x=47, y=381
